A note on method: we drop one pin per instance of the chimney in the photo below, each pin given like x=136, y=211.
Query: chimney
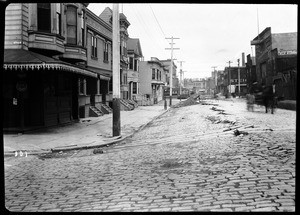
x=243, y=59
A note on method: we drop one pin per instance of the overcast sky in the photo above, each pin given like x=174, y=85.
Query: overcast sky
x=210, y=34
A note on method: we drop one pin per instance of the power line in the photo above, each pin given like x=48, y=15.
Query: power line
x=157, y=21
x=141, y=21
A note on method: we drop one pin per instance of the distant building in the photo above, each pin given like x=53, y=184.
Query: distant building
x=231, y=80
x=276, y=61
x=175, y=82
x=251, y=72
x=153, y=79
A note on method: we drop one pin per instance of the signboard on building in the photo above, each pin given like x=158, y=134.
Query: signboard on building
x=289, y=52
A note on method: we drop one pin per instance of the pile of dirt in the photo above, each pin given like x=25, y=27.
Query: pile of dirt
x=189, y=101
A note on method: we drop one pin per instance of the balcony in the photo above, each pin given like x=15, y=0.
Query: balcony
x=74, y=53
x=42, y=41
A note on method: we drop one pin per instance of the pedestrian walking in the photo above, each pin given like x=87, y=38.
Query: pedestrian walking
x=250, y=101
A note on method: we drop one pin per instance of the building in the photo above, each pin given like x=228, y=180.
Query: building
x=232, y=80
x=251, y=72
x=99, y=60
x=44, y=62
x=210, y=85
x=276, y=61
x=167, y=64
x=221, y=87
x=106, y=15
x=153, y=78
x=135, y=54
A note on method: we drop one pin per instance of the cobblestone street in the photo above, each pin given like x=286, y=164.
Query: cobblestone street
x=188, y=159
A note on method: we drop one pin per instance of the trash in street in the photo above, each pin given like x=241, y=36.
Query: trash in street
x=98, y=151
x=237, y=132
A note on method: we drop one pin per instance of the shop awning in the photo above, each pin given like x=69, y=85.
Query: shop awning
x=23, y=59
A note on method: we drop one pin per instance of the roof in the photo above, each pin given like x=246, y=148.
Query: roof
x=133, y=44
x=19, y=59
x=107, y=13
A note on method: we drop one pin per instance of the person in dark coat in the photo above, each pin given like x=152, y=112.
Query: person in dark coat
x=268, y=97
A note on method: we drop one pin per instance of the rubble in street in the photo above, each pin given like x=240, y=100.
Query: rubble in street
x=190, y=158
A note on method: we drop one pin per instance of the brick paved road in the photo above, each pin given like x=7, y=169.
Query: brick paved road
x=182, y=162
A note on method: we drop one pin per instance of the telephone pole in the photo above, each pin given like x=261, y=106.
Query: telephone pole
x=215, y=77
x=180, y=78
x=116, y=72
x=171, y=72
x=229, y=78
x=239, y=82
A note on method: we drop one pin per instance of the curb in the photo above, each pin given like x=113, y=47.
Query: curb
x=11, y=154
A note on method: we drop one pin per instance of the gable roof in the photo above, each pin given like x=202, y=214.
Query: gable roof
x=133, y=45
x=106, y=15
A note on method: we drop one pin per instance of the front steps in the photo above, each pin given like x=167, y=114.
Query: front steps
x=95, y=112
x=102, y=109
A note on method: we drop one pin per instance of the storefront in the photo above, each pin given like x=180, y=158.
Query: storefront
x=39, y=91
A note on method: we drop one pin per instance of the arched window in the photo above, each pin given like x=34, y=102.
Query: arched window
x=44, y=17
x=72, y=25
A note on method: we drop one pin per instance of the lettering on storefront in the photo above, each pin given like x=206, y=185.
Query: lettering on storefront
x=290, y=52
x=237, y=80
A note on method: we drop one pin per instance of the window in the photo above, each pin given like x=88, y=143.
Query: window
x=121, y=77
x=135, y=65
x=134, y=88
x=44, y=17
x=125, y=78
x=58, y=19
x=72, y=25
x=82, y=29
x=105, y=56
x=124, y=48
x=94, y=46
x=158, y=75
x=153, y=74
x=131, y=63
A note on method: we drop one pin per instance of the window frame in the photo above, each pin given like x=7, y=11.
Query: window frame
x=153, y=73
x=134, y=88
x=105, y=52
x=44, y=14
x=94, y=41
x=135, y=64
x=71, y=25
x=131, y=63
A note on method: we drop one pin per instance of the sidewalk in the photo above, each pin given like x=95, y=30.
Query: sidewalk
x=90, y=132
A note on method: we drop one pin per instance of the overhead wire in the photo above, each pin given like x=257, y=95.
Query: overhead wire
x=146, y=30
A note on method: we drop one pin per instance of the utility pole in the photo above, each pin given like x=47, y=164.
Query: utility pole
x=171, y=72
x=215, y=77
x=183, y=77
x=116, y=72
x=180, y=78
x=238, y=60
x=229, y=78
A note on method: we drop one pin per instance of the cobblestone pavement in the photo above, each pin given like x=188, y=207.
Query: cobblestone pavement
x=186, y=160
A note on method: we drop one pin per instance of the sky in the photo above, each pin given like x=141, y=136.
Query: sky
x=209, y=35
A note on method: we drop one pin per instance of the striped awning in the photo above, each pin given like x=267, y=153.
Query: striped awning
x=15, y=59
